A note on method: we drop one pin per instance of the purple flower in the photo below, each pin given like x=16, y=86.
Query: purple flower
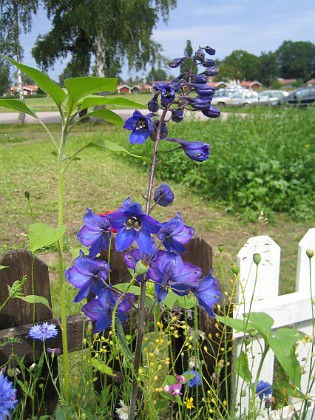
x=201, y=78
x=7, y=397
x=208, y=62
x=153, y=105
x=133, y=225
x=173, y=389
x=167, y=93
x=101, y=308
x=211, y=71
x=199, y=103
x=177, y=115
x=43, y=332
x=95, y=233
x=135, y=255
x=163, y=195
x=169, y=271
x=209, y=50
x=176, y=62
x=203, y=90
x=196, y=380
x=174, y=234
x=207, y=292
x=141, y=127
x=88, y=275
x=163, y=131
x=200, y=55
x=263, y=389
x=195, y=150
x=212, y=112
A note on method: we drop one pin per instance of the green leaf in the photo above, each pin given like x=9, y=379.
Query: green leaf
x=123, y=341
x=17, y=105
x=242, y=369
x=106, y=115
x=102, y=367
x=283, y=344
x=113, y=147
x=43, y=81
x=35, y=299
x=95, y=100
x=42, y=235
x=236, y=324
x=122, y=287
x=262, y=323
x=3, y=266
x=79, y=87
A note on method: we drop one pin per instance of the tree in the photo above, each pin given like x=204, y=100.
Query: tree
x=296, y=60
x=15, y=17
x=156, y=75
x=188, y=52
x=109, y=31
x=268, y=68
x=4, y=77
x=241, y=65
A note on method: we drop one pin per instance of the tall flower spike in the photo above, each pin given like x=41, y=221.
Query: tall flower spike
x=140, y=126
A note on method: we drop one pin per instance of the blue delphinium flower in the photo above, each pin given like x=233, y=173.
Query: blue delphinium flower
x=207, y=292
x=167, y=93
x=196, y=380
x=176, y=62
x=43, y=332
x=133, y=225
x=195, y=150
x=95, y=233
x=170, y=272
x=140, y=126
x=88, y=275
x=263, y=389
x=212, y=112
x=174, y=234
x=101, y=308
x=135, y=255
x=7, y=397
x=163, y=195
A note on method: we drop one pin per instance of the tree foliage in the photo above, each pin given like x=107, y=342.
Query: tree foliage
x=296, y=60
x=111, y=31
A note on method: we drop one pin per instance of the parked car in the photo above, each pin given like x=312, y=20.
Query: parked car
x=302, y=96
x=243, y=97
x=271, y=97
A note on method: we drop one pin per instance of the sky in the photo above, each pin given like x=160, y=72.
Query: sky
x=255, y=26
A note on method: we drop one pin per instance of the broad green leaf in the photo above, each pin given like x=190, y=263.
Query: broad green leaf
x=106, y=115
x=170, y=299
x=43, y=81
x=17, y=105
x=113, y=147
x=79, y=87
x=236, y=324
x=262, y=323
x=131, y=289
x=95, y=100
x=283, y=345
x=102, y=367
x=242, y=369
x=42, y=235
x=35, y=299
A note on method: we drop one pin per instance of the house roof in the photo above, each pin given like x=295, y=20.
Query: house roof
x=286, y=81
x=26, y=87
x=250, y=83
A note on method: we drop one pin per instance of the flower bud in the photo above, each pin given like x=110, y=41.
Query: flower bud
x=257, y=258
x=177, y=115
x=27, y=194
x=201, y=78
x=209, y=50
x=310, y=252
x=153, y=105
x=163, y=195
x=176, y=62
x=208, y=63
x=141, y=268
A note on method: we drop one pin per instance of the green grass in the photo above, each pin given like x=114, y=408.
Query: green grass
x=102, y=180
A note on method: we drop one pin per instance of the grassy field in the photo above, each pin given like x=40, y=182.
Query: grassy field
x=101, y=181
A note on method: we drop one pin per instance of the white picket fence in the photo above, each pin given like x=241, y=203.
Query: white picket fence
x=294, y=309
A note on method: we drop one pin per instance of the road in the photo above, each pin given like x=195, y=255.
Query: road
x=54, y=117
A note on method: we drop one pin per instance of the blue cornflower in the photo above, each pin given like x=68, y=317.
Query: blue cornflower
x=195, y=150
x=43, y=332
x=95, y=233
x=174, y=234
x=167, y=93
x=207, y=292
x=88, y=275
x=7, y=397
x=169, y=271
x=101, y=308
x=163, y=195
x=141, y=127
x=196, y=380
x=133, y=225
x=263, y=389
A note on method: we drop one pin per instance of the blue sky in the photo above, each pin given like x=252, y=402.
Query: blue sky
x=252, y=25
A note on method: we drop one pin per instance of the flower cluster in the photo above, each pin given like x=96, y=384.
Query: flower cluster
x=152, y=250
x=188, y=91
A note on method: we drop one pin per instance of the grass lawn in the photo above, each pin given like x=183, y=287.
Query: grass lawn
x=101, y=181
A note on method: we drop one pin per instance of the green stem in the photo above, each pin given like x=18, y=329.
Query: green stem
x=261, y=363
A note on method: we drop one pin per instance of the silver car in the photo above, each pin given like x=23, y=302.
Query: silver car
x=243, y=97
x=271, y=97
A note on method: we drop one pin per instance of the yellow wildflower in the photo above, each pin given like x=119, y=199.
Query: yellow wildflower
x=189, y=403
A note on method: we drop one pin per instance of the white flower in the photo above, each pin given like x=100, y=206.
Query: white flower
x=123, y=412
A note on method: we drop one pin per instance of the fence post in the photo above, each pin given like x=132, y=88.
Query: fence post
x=16, y=313
x=256, y=282
x=306, y=266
